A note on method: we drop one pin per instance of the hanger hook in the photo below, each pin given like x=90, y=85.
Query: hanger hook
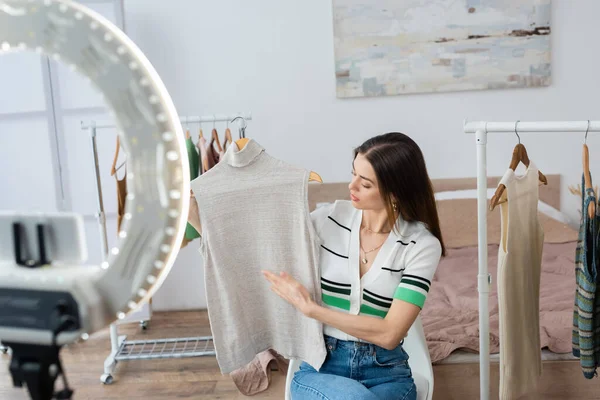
x=214, y=121
x=586, y=132
x=242, y=129
x=242, y=118
x=516, y=133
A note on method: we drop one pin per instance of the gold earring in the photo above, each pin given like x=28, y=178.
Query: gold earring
x=394, y=206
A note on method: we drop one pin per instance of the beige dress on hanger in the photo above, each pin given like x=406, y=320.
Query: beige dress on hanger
x=519, y=272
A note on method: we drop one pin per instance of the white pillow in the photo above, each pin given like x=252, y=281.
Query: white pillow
x=472, y=194
x=462, y=194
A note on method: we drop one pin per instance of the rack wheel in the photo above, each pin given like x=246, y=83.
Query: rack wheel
x=107, y=379
x=3, y=349
x=144, y=325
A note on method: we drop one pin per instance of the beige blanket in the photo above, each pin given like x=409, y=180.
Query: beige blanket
x=450, y=315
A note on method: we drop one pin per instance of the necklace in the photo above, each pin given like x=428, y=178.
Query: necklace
x=372, y=231
x=364, y=257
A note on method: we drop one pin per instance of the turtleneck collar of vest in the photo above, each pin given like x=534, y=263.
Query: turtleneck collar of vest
x=241, y=158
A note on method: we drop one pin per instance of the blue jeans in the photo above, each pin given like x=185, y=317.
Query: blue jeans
x=355, y=370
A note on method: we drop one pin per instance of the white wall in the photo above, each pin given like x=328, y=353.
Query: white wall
x=46, y=158
x=28, y=179
x=275, y=58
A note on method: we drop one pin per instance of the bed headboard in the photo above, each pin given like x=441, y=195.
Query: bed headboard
x=330, y=192
x=549, y=194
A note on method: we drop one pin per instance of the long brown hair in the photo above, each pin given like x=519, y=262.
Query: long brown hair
x=402, y=175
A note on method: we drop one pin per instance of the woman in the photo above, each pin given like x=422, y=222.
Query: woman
x=379, y=253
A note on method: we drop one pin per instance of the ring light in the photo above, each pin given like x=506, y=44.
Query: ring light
x=158, y=182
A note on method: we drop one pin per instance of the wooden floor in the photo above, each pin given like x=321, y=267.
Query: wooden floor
x=186, y=378
x=200, y=378
x=561, y=380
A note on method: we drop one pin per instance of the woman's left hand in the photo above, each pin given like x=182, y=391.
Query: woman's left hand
x=291, y=291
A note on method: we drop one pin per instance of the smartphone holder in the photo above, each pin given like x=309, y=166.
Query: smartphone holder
x=37, y=365
x=18, y=245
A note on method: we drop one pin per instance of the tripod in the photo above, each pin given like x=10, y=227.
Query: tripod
x=38, y=366
x=48, y=313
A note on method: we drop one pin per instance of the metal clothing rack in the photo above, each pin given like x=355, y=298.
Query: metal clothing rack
x=122, y=349
x=481, y=130
x=142, y=315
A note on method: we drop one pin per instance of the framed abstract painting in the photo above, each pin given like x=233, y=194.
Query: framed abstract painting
x=389, y=47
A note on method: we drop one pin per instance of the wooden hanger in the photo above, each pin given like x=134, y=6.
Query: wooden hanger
x=587, y=178
x=519, y=155
x=187, y=133
x=313, y=177
x=114, y=168
x=215, y=139
x=228, y=138
x=241, y=143
x=199, y=145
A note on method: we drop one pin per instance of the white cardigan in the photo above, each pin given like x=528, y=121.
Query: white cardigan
x=403, y=268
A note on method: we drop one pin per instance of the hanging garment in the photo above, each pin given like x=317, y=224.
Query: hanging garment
x=254, y=213
x=586, y=315
x=200, y=161
x=205, y=154
x=519, y=273
x=194, y=162
x=215, y=153
x=121, y=185
x=256, y=376
x=121, y=195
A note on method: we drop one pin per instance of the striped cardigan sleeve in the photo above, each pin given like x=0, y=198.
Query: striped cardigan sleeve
x=420, y=266
x=319, y=216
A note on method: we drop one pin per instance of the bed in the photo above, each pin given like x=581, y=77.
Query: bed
x=450, y=314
